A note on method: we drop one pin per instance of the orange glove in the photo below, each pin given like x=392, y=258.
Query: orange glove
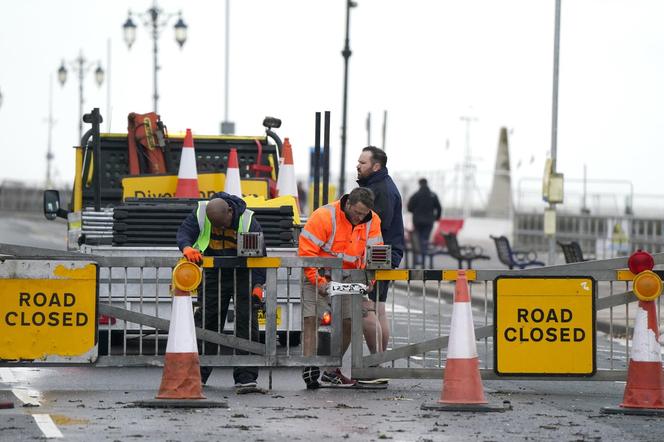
x=192, y=255
x=258, y=293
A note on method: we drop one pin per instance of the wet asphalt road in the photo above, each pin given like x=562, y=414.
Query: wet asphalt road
x=96, y=404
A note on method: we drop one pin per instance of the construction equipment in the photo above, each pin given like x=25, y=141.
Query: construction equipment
x=123, y=203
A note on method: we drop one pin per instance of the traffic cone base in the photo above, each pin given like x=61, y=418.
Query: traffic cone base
x=181, y=378
x=462, y=384
x=645, y=385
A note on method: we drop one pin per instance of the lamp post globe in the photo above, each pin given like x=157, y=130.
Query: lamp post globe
x=180, y=31
x=129, y=28
x=99, y=75
x=62, y=74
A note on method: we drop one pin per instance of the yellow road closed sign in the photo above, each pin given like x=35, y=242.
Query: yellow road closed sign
x=48, y=311
x=544, y=326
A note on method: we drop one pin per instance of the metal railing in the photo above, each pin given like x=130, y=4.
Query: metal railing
x=421, y=310
x=134, y=307
x=600, y=236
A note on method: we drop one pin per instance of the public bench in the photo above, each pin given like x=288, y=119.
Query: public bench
x=513, y=258
x=572, y=251
x=463, y=253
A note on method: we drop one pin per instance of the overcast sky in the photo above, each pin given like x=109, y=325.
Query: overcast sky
x=426, y=62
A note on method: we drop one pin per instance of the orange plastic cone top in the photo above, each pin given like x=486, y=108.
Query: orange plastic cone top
x=645, y=379
x=182, y=377
x=187, y=175
x=286, y=184
x=462, y=383
x=232, y=185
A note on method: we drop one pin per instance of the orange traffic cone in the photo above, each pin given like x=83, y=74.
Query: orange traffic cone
x=182, y=372
x=187, y=176
x=644, y=391
x=462, y=385
x=233, y=185
x=286, y=184
x=181, y=379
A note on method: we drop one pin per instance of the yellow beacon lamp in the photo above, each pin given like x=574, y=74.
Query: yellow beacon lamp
x=647, y=285
x=187, y=276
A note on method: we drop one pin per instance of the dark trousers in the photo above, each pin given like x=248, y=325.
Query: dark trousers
x=233, y=284
x=423, y=233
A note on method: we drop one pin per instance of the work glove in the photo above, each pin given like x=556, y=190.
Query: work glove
x=192, y=255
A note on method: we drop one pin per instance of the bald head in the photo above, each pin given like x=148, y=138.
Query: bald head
x=219, y=213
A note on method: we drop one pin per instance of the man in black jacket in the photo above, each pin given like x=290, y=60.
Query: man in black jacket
x=372, y=173
x=211, y=230
x=426, y=210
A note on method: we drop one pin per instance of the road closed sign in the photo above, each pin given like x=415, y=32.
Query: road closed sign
x=48, y=311
x=544, y=326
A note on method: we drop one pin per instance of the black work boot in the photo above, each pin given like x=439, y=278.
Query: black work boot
x=310, y=376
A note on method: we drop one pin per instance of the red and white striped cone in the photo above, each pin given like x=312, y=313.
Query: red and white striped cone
x=182, y=374
x=187, y=175
x=286, y=183
x=645, y=379
x=462, y=384
x=233, y=186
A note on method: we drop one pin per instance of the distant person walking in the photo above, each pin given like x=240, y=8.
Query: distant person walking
x=426, y=210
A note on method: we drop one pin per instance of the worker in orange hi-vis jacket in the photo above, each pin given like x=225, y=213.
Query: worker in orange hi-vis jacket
x=341, y=229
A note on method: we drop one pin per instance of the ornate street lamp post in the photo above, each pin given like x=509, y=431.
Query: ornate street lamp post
x=155, y=19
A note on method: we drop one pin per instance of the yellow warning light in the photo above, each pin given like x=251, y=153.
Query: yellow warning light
x=187, y=276
x=647, y=285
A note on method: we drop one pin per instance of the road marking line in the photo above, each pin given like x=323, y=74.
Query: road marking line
x=6, y=375
x=47, y=426
x=28, y=397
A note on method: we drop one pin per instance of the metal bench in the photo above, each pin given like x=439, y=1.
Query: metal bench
x=463, y=253
x=513, y=258
x=572, y=251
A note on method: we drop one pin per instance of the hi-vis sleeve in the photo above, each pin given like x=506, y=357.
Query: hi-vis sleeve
x=375, y=237
x=316, y=232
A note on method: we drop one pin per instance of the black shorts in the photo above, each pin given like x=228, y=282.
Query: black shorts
x=380, y=288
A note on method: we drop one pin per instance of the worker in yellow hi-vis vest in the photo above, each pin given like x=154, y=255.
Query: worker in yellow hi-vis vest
x=211, y=230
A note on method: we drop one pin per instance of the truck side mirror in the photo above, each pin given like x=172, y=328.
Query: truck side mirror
x=52, y=205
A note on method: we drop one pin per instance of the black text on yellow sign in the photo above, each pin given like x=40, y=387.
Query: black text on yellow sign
x=51, y=315
x=25, y=316
x=544, y=326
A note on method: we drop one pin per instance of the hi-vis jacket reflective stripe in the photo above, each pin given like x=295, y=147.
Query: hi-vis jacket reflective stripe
x=329, y=234
x=205, y=226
